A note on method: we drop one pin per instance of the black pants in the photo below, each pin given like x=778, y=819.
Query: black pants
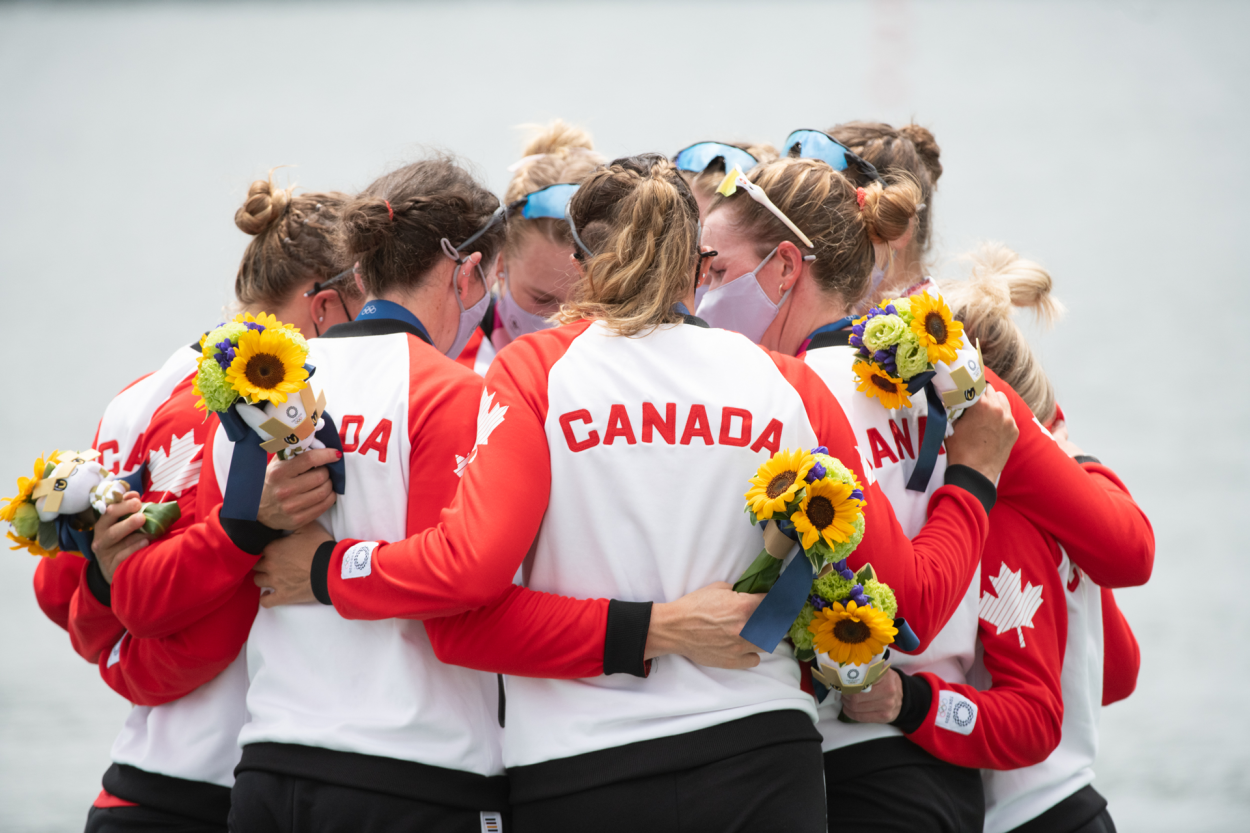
x=1085, y=811
x=264, y=802
x=913, y=798
x=778, y=788
x=132, y=819
x=1100, y=823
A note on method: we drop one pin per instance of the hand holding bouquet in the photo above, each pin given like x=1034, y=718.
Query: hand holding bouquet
x=247, y=371
x=56, y=508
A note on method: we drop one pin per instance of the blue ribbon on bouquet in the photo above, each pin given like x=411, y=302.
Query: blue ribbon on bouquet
x=934, y=431
x=69, y=539
x=246, y=480
x=771, y=621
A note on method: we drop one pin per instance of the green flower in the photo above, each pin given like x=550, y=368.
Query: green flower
x=882, y=597
x=911, y=357
x=26, y=520
x=903, y=305
x=882, y=331
x=297, y=339
x=213, y=386
x=799, y=634
x=231, y=330
x=832, y=587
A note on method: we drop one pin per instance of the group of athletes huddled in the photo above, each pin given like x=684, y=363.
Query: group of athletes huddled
x=517, y=614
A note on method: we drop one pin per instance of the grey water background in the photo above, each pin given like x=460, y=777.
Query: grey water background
x=1105, y=139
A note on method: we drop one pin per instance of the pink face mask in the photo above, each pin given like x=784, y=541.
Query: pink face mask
x=742, y=305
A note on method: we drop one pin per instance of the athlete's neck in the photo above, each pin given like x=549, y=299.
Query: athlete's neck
x=807, y=309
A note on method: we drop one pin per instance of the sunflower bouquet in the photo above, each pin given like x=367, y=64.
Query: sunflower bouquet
x=844, y=619
x=55, y=509
x=249, y=369
x=898, y=342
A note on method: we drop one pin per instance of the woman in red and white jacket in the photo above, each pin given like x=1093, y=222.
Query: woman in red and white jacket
x=1084, y=645
x=793, y=297
x=610, y=452
x=535, y=270
x=163, y=638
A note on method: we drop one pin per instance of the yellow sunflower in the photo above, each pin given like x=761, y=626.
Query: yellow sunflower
x=852, y=633
x=26, y=485
x=876, y=382
x=265, y=319
x=31, y=545
x=778, y=481
x=827, y=511
x=267, y=365
x=938, y=333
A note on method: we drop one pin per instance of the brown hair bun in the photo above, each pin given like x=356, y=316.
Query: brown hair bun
x=263, y=207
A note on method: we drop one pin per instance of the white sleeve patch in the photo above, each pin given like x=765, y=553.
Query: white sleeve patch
x=956, y=713
x=115, y=655
x=492, y=822
x=358, y=561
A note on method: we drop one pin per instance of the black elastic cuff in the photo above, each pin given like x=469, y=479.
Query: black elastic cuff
x=250, y=536
x=972, y=481
x=625, y=643
x=319, y=574
x=917, y=697
x=1087, y=458
x=98, y=584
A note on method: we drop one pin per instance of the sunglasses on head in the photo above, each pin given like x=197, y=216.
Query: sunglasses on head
x=698, y=157
x=816, y=144
x=545, y=202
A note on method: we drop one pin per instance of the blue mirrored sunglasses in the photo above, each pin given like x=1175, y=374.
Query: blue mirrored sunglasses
x=698, y=157
x=547, y=202
x=815, y=144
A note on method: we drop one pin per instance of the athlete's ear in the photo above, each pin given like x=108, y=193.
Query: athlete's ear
x=498, y=270
x=325, y=309
x=791, y=260
x=360, y=283
x=577, y=264
x=467, y=284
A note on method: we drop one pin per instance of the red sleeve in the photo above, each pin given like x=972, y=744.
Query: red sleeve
x=470, y=557
x=929, y=574
x=152, y=672
x=1095, y=519
x=181, y=577
x=56, y=580
x=1121, y=657
x=93, y=628
x=1019, y=719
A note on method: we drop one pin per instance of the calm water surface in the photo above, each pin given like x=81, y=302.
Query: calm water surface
x=1106, y=140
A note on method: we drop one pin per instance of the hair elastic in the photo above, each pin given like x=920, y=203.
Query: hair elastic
x=391, y=212
x=860, y=196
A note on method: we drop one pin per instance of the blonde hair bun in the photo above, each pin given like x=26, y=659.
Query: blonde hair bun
x=1001, y=281
x=263, y=207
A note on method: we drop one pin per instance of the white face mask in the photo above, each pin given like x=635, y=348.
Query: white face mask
x=472, y=317
x=516, y=321
x=699, y=292
x=741, y=305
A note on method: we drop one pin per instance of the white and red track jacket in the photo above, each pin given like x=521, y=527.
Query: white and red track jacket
x=321, y=686
x=890, y=441
x=154, y=422
x=624, y=461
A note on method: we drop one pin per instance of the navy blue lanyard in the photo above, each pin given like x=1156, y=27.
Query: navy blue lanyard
x=840, y=324
x=390, y=309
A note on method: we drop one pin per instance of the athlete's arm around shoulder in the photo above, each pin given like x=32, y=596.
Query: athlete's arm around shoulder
x=1023, y=629
x=494, y=437
x=1089, y=512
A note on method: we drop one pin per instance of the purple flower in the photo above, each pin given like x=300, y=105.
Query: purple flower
x=820, y=449
x=818, y=602
x=882, y=356
x=817, y=472
x=846, y=574
x=858, y=329
x=252, y=325
x=891, y=310
x=856, y=341
x=857, y=494
x=225, y=353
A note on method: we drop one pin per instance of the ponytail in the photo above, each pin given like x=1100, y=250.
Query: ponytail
x=641, y=221
x=1000, y=282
